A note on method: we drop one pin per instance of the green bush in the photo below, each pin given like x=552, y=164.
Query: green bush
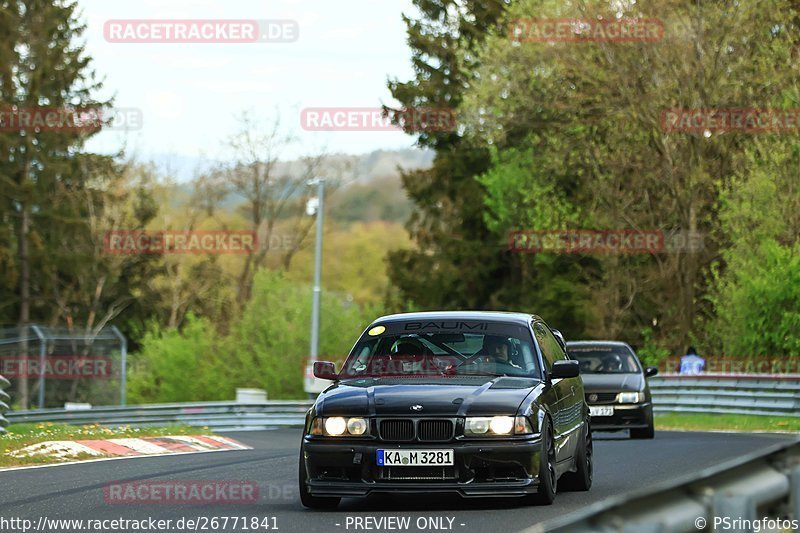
x=267, y=347
x=651, y=353
x=757, y=304
x=176, y=366
x=756, y=293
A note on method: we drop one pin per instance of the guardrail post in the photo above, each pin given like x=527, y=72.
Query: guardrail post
x=5, y=399
x=794, y=489
x=42, y=359
x=123, y=365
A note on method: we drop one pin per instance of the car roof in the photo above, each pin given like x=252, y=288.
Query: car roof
x=495, y=316
x=598, y=343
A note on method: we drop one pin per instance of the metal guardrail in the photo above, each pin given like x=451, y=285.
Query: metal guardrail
x=742, y=394
x=5, y=400
x=764, y=484
x=219, y=416
x=755, y=394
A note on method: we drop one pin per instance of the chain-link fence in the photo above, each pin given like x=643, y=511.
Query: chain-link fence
x=48, y=367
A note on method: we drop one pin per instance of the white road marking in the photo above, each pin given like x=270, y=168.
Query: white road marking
x=56, y=448
x=141, y=446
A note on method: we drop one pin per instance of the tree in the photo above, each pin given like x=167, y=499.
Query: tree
x=271, y=191
x=43, y=173
x=756, y=283
x=457, y=260
x=591, y=114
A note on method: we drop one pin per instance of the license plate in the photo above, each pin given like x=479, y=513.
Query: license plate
x=415, y=458
x=601, y=411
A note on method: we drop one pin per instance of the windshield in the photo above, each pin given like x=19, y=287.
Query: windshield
x=595, y=359
x=392, y=350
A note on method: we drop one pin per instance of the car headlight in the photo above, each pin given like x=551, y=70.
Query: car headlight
x=357, y=426
x=629, y=397
x=482, y=426
x=337, y=426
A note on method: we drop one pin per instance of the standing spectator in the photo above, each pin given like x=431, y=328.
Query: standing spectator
x=691, y=363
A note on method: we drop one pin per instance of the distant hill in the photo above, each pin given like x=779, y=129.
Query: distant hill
x=365, y=167
x=371, y=189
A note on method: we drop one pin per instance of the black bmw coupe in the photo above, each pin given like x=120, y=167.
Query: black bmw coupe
x=479, y=404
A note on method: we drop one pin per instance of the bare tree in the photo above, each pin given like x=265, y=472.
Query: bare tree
x=274, y=192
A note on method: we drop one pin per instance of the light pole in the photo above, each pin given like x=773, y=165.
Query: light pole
x=311, y=385
x=320, y=183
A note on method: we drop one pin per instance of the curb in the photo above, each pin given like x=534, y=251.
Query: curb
x=128, y=447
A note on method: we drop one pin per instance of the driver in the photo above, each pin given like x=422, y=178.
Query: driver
x=408, y=357
x=408, y=347
x=499, y=349
x=612, y=363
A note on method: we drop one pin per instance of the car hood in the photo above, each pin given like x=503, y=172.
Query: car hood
x=612, y=382
x=438, y=397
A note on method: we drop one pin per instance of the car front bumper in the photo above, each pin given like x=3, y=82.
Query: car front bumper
x=626, y=416
x=481, y=469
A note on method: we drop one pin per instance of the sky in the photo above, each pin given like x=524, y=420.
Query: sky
x=188, y=95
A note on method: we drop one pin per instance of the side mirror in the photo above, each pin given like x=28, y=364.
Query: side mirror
x=650, y=371
x=560, y=338
x=325, y=370
x=565, y=369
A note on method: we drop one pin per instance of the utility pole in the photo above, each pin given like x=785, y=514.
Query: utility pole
x=315, y=304
x=312, y=385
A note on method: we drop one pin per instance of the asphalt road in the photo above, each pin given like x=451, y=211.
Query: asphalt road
x=77, y=491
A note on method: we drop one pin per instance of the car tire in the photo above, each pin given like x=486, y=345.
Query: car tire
x=548, y=479
x=644, y=433
x=581, y=479
x=312, y=502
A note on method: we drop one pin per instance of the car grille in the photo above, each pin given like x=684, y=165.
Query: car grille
x=594, y=398
x=405, y=430
x=435, y=430
x=397, y=430
x=414, y=473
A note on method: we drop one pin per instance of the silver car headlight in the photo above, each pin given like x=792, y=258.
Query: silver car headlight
x=490, y=426
x=338, y=426
x=629, y=397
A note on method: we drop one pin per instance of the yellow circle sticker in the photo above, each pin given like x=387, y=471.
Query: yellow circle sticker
x=377, y=330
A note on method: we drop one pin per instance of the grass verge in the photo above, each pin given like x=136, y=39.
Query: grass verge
x=726, y=422
x=21, y=435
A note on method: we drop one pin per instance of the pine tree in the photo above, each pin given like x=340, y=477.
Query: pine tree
x=43, y=170
x=458, y=260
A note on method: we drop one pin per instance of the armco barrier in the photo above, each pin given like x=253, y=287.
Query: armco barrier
x=5, y=400
x=755, y=394
x=759, y=486
x=219, y=416
x=760, y=395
